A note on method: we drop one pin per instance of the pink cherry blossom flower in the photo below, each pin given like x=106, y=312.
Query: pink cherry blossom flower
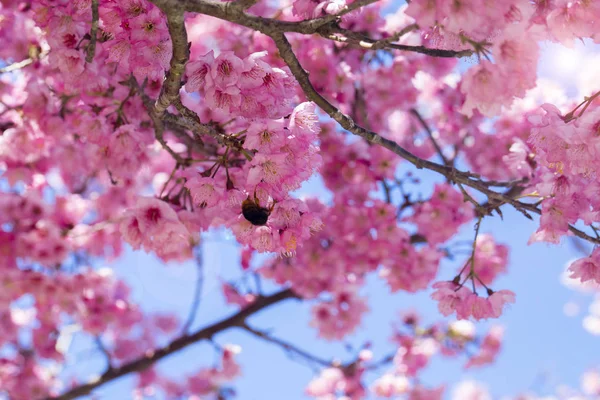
x=450, y=297
x=226, y=70
x=422, y=393
x=489, y=349
x=390, y=385
x=206, y=191
x=476, y=307
x=587, y=269
x=498, y=300
x=485, y=90
x=227, y=99
x=198, y=73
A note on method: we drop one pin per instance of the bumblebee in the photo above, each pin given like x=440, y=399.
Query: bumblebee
x=254, y=213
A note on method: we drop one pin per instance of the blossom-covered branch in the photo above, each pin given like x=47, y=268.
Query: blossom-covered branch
x=207, y=333
x=454, y=175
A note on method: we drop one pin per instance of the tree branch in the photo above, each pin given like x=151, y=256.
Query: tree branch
x=197, y=290
x=234, y=12
x=181, y=54
x=91, y=47
x=180, y=343
x=245, y=4
x=430, y=134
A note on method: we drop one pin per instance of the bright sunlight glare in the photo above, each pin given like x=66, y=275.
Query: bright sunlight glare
x=570, y=67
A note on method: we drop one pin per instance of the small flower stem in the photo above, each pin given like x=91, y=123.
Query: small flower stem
x=477, y=225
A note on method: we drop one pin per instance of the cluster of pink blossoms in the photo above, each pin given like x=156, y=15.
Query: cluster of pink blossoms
x=565, y=180
x=346, y=380
x=439, y=218
x=416, y=346
x=206, y=382
x=155, y=226
x=316, y=8
x=337, y=318
x=475, y=24
x=362, y=168
x=95, y=300
x=284, y=155
x=354, y=241
x=588, y=268
x=249, y=87
x=454, y=298
x=489, y=349
x=133, y=33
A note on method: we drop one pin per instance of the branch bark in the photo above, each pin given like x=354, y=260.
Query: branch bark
x=91, y=48
x=181, y=54
x=234, y=12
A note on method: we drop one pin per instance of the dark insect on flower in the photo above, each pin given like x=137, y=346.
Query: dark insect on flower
x=254, y=213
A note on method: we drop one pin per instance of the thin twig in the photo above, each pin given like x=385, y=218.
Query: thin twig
x=386, y=191
x=430, y=134
x=288, y=347
x=335, y=32
x=16, y=66
x=381, y=363
x=104, y=351
x=477, y=226
x=382, y=43
x=197, y=290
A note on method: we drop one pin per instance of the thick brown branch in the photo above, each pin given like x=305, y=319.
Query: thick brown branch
x=181, y=54
x=177, y=124
x=150, y=358
x=234, y=12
